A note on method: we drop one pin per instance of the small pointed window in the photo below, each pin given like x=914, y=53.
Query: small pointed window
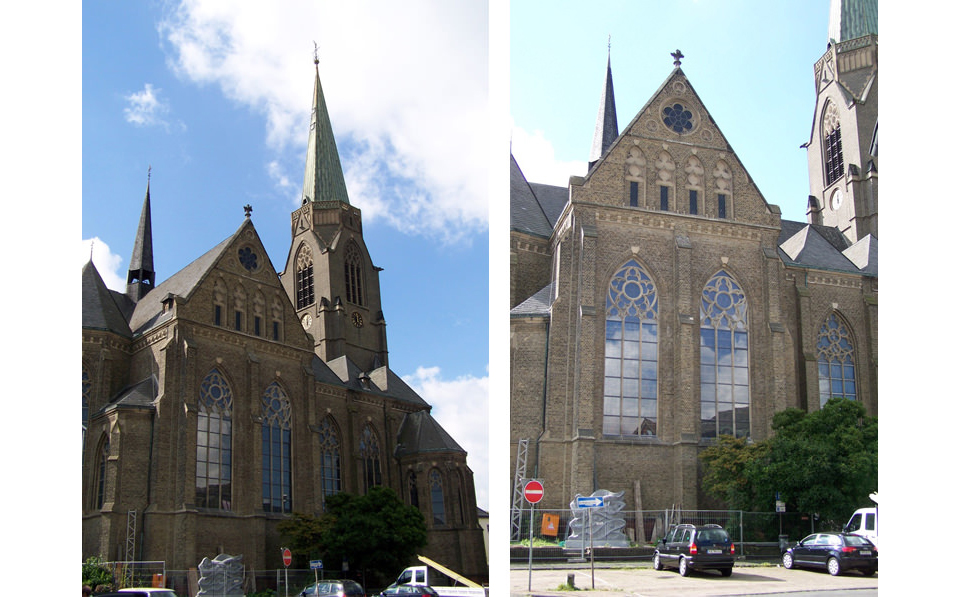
x=436, y=498
x=305, y=293
x=370, y=458
x=353, y=274
x=330, y=476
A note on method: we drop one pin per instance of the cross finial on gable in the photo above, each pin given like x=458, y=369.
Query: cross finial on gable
x=247, y=210
x=676, y=57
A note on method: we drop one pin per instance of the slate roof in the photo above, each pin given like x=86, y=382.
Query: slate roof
x=420, y=432
x=139, y=395
x=605, y=130
x=102, y=308
x=537, y=305
x=534, y=208
x=381, y=381
x=825, y=248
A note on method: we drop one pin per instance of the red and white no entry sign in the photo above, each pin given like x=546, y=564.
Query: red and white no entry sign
x=287, y=557
x=533, y=491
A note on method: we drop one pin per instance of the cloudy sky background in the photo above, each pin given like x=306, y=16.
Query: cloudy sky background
x=214, y=98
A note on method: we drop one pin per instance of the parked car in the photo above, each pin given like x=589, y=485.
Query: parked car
x=690, y=547
x=408, y=591
x=837, y=552
x=333, y=588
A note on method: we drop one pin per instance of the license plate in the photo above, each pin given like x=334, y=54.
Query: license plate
x=714, y=551
x=865, y=553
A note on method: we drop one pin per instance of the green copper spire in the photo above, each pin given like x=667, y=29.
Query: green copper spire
x=850, y=19
x=323, y=178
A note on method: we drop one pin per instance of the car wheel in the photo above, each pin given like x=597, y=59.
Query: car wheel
x=869, y=571
x=788, y=560
x=657, y=564
x=833, y=566
x=684, y=568
x=726, y=571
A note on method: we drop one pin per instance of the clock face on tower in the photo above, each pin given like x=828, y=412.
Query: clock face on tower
x=306, y=321
x=836, y=199
x=357, y=319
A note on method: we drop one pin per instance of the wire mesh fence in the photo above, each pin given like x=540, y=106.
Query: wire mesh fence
x=282, y=581
x=758, y=535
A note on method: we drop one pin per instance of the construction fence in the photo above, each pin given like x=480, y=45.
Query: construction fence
x=757, y=535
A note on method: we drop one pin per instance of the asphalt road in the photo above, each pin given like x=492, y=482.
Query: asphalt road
x=647, y=582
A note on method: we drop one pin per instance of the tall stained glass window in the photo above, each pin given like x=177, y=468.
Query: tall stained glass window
x=275, y=431
x=370, y=457
x=86, y=403
x=630, y=354
x=100, y=482
x=835, y=361
x=436, y=498
x=724, y=359
x=353, y=274
x=214, y=443
x=330, y=476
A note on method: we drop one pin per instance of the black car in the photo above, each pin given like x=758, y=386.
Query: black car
x=333, y=588
x=408, y=591
x=837, y=552
x=690, y=547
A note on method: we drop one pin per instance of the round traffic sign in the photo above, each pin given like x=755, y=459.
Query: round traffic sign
x=533, y=491
x=287, y=557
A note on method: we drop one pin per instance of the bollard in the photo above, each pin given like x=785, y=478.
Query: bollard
x=570, y=581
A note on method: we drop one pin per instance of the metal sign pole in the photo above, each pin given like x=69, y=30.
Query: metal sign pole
x=593, y=584
x=530, y=557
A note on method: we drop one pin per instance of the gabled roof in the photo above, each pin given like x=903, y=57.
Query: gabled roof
x=825, y=248
x=420, y=433
x=381, y=381
x=102, y=308
x=141, y=395
x=534, y=207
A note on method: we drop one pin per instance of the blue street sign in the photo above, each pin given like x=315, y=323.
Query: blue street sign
x=316, y=564
x=590, y=502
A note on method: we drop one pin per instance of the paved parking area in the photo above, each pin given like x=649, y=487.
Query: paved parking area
x=647, y=582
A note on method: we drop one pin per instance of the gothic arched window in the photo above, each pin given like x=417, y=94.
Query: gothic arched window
x=832, y=147
x=412, y=489
x=86, y=403
x=353, y=274
x=330, y=479
x=214, y=443
x=275, y=429
x=630, y=354
x=100, y=480
x=724, y=359
x=305, y=295
x=436, y=498
x=835, y=361
x=370, y=457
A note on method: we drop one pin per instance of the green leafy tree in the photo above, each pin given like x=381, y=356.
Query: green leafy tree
x=822, y=462
x=96, y=573
x=376, y=534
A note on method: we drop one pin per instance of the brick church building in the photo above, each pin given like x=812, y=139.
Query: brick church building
x=660, y=301
x=230, y=395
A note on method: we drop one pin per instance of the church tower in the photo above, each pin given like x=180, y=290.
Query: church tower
x=141, y=276
x=331, y=281
x=842, y=150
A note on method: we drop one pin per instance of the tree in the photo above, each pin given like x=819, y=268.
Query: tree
x=376, y=533
x=96, y=573
x=823, y=462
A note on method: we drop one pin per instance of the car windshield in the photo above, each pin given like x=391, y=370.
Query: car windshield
x=856, y=540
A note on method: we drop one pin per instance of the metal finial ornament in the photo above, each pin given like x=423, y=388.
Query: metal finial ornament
x=316, y=53
x=608, y=43
x=247, y=210
x=149, y=170
x=676, y=57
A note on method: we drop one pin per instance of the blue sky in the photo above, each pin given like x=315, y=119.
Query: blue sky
x=214, y=99
x=750, y=61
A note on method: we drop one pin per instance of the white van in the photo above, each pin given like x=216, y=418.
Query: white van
x=864, y=523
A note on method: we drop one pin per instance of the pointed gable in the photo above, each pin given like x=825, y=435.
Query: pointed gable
x=526, y=212
x=673, y=142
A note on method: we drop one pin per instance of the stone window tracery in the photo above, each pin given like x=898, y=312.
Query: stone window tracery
x=370, y=458
x=724, y=359
x=305, y=292
x=832, y=145
x=353, y=274
x=330, y=472
x=630, y=354
x=436, y=498
x=276, y=463
x=214, y=443
x=835, y=361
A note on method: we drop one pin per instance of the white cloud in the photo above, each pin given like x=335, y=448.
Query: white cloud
x=536, y=158
x=107, y=263
x=145, y=107
x=461, y=407
x=405, y=84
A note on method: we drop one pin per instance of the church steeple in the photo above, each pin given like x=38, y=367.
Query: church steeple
x=323, y=178
x=606, y=130
x=141, y=276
